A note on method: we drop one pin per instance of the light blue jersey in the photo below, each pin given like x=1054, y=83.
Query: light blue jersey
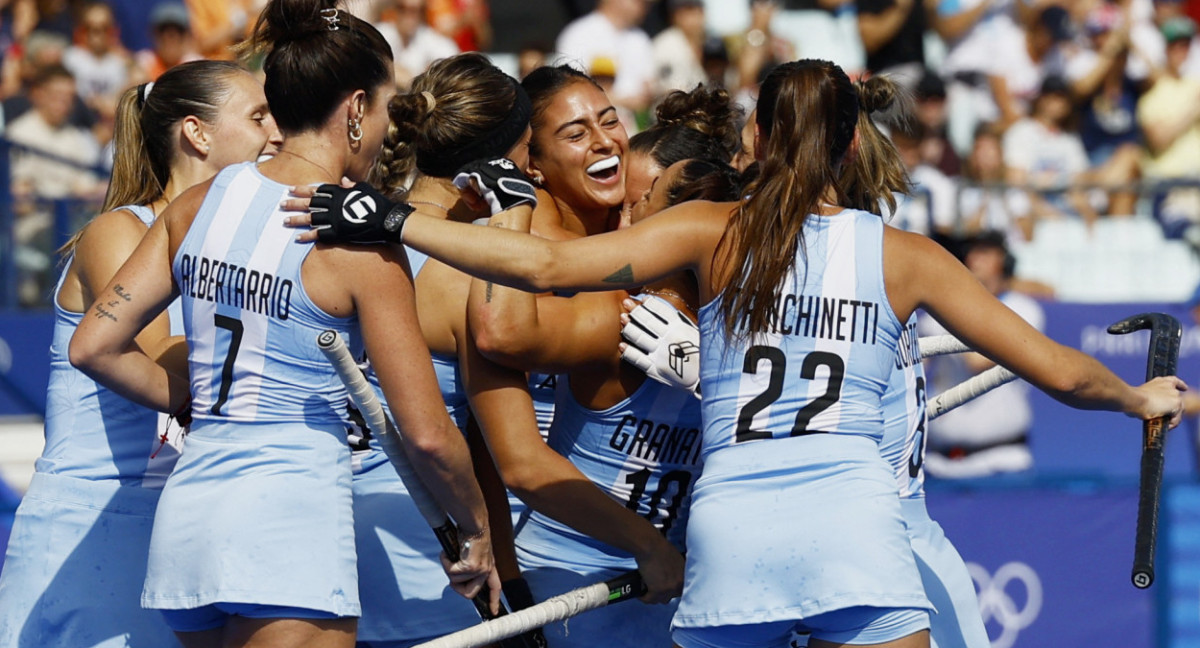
x=405, y=594
x=956, y=621
x=263, y=484
x=91, y=432
x=904, y=420
x=644, y=452
x=826, y=360
x=792, y=423
x=251, y=327
x=76, y=560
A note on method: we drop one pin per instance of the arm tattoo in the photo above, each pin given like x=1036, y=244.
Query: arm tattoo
x=102, y=312
x=622, y=276
x=488, y=296
x=122, y=293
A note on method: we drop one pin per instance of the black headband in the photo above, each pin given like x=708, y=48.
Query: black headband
x=495, y=143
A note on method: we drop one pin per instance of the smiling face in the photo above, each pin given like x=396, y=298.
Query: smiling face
x=244, y=128
x=578, y=148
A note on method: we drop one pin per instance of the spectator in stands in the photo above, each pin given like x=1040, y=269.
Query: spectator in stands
x=414, y=43
x=985, y=203
x=46, y=128
x=988, y=435
x=823, y=29
x=978, y=34
x=612, y=31
x=216, y=25
x=55, y=17
x=929, y=208
x=714, y=58
x=930, y=110
x=466, y=22
x=1169, y=114
x=757, y=51
x=23, y=62
x=1016, y=81
x=100, y=65
x=170, y=38
x=893, y=36
x=1044, y=155
x=679, y=49
x=42, y=50
x=1107, y=97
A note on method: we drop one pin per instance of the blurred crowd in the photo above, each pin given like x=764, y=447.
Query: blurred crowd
x=1025, y=110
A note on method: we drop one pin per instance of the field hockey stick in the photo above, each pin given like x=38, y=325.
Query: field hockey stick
x=1165, y=335
x=969, y=390
x=936, y=345
x=556, y=608
x=364, y=398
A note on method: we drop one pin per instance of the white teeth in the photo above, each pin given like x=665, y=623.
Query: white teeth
x=604, y=165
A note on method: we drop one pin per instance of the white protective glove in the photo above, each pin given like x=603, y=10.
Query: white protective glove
x=663, y=343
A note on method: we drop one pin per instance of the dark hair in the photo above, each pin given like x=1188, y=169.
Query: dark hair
x=48, y=73
x=471, y=98
x=316, y=55
x=705, y=180
x=145, y=137
x=544, y=83
x=701, y=124
x=807, y=113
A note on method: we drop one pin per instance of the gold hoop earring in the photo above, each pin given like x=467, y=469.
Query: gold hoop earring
x=355, y=133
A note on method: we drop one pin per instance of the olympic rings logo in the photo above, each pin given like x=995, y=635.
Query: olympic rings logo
x=996, y=602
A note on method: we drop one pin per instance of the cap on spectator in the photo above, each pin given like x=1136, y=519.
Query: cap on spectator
x=1180, y=28
x=930, y=86
x=672, y=5
x=1103, y=19
x=603, y=66
x=1055, y=84
x=1055, y=20
x=169, y=13
x=714, y=49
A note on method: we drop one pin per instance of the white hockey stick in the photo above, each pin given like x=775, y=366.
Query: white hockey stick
x=936, y=345
x=968, y=390
x=557, y=608
x=364, y=398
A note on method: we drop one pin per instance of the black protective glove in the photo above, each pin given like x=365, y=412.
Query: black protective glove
x=499, y=182
x=359, y=214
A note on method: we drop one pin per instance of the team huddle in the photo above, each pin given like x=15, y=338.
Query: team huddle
x=751, y=445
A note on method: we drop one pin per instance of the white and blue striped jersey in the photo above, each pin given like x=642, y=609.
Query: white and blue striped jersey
x=828, y=355
x=904, y=420
x=251, y=327
x=91, y=432
x=644, y=452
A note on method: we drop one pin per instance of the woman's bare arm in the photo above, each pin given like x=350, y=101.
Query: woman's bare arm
x=104, y=345
x=920, y=273
x=552, y=485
